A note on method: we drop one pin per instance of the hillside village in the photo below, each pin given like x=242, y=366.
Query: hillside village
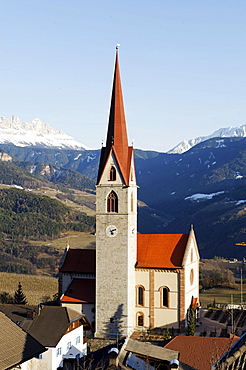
x=133, y=301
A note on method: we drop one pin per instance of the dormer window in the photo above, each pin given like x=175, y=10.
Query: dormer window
x=112, y=202
x=112, y=173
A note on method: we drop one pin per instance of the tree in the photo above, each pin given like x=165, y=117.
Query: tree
x=166, y=333
x=5, y=297
x=190, y=330
x=19, y=296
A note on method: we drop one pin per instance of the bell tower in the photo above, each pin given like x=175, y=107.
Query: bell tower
x=116, y=225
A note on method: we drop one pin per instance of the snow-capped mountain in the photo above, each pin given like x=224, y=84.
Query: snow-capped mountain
x=183, y=146
x=35, y=133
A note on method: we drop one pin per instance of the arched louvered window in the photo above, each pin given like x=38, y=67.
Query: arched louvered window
x=112, y=202
x=112, y=173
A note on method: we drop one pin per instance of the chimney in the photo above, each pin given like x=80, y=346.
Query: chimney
x=113, y=357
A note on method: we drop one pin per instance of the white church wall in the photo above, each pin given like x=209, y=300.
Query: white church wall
x=191, y=275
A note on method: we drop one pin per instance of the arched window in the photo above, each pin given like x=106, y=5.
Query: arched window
x=112, y=202
x=140, y=295
x=164, y=296
x=112, y=173
x=140, y=319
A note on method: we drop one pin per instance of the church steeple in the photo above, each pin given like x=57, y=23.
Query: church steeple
x=117, y=140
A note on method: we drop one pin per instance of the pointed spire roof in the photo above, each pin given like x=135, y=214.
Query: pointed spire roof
x=117, y=133
x=117, y=140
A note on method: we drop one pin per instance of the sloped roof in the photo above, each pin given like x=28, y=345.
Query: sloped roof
x=200, y=352
x=79, y=261
x=16, y=346
x=52, y=323
x=117, y=140
x=150, y=351
x=161, y=250
x=80, y=291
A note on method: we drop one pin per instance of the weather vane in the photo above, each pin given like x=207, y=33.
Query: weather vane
x=117, y=46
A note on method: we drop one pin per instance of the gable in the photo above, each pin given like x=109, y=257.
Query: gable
x=79, y=261
x=161, y=250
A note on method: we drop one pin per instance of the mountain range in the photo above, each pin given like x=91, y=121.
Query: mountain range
x=239, y=131
x=35, y=133
x=203, y=186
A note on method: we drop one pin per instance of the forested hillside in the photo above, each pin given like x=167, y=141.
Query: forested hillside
x=26, y=216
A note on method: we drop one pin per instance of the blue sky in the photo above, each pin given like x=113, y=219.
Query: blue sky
x=183, y=65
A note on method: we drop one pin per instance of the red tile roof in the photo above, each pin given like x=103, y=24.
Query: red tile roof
x=161, y=250
x=80, y=291
x=200, y=352
x=117, y=140
x=79, y=261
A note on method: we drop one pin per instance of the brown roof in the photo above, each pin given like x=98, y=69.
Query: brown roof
x=200, y=352
x=48, y=324
x=16, y=346
x=51, y=324
x=80, y=291
x=117, y=140
x=161, y=250
x=80, y=261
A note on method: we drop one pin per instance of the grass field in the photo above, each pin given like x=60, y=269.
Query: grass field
x=75, y=239
x=34, y=287
x=221, y=295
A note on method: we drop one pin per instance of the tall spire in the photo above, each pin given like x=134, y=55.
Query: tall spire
x=117, y=133
x=117, y=140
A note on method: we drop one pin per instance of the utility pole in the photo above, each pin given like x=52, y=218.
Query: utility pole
x=241, y=286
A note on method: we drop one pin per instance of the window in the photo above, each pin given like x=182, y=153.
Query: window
x=77, y=340
x=58, y=351
x=140, y=319
x=191, y=255
x=132, y=204
x=164, y=296
x=191, y=277
x=112, y=173
x=140, y=296
x=132, y=176
x=112, y=202
x=69, y=345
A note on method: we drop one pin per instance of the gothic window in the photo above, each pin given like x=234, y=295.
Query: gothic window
x=112, y=202
x=191, y=277
x=112, y=173
x=191, y=255
x=164, y=296
x=140, y=296
x=132, y=177
x=132, y=206
x=140, y=319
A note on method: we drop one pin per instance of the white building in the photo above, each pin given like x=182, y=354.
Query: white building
x=139, y=280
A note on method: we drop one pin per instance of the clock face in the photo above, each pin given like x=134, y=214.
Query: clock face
x=111, y=231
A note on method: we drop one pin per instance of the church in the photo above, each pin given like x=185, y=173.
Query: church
x=131, y=281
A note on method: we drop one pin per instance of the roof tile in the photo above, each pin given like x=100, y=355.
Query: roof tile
x=161, y=250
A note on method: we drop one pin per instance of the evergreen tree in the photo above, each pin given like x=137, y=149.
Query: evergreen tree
x=19, y=296
x=166, y=333
x=190, y=330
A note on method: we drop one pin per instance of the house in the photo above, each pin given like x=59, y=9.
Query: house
x=201, y=352
x=59, y=329
x=140, y=280
x=234, y=357
x=17, y=347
